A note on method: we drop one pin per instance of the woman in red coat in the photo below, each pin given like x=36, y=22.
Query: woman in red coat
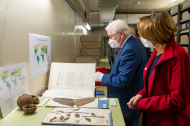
x=165, y=99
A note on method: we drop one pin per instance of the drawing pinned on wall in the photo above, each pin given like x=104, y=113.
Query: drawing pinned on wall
x=13, y=83
x=40, y=54
x=14, y=76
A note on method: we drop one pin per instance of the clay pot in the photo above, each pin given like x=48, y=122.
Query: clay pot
x=35, y=99
x=30, y=108
x=24, y=100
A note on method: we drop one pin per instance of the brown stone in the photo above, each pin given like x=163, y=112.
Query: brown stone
x=24, y=100
x=30, y=108
x=35, y=99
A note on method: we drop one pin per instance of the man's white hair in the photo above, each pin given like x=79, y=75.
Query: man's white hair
x=132, y=30
x=119, y=25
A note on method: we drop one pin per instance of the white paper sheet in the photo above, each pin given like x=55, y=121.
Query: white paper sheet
x=72, y=76
x=40, y=54
x=13, y=83
x=78, y=116
x=69, y=93
x=105, y=98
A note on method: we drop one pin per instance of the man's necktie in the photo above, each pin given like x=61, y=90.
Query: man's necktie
x=119, y=49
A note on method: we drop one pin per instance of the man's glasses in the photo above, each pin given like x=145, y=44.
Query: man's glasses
x=113, y=35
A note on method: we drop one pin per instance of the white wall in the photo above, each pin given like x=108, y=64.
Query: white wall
x=52, y=18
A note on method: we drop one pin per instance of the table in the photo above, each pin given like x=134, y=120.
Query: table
x=18, y=118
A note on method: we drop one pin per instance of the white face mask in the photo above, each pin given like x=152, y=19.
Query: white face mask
x=113, y=43
x=147, y=43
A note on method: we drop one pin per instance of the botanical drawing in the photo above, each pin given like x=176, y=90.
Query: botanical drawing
x=76, y=113
x=72, y=102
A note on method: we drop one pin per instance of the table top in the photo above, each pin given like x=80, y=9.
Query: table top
x=101, y=88
x=19, y=118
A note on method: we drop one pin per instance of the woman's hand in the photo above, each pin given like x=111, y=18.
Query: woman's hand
x=133, y=101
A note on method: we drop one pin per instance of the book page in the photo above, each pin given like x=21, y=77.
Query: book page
x=72, y=76
x=69, y=93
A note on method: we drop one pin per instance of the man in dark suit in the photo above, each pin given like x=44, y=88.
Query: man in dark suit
x=126, y=76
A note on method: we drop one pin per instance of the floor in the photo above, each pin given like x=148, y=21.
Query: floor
x=103, y=63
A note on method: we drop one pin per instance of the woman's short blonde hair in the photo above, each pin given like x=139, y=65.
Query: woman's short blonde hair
x=159, y=27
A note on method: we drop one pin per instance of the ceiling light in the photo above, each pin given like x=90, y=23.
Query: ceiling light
x=140, y=2
x=87, y=26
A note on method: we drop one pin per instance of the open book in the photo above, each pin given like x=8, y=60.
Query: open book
x=69, y=80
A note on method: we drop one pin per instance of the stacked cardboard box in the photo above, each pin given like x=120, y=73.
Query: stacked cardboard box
x=90, y=51
x=87, y=59
x=185, y=15
x=84, y=60
x=77, y=45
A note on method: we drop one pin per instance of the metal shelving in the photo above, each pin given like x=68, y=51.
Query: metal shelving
x=184, y=44
x=174, y=14
x=184, y=21
x=181, y=31
x=184, y=32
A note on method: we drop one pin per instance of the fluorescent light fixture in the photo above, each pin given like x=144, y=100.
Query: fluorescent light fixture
x=87, y=26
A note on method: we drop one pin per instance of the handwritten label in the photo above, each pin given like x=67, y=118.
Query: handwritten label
x=47, y=118
x=107, y=121
x=83, y=110
x=43, y=102
x=104, y=105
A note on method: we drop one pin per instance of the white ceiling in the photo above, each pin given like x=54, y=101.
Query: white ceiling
x=146, y=6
